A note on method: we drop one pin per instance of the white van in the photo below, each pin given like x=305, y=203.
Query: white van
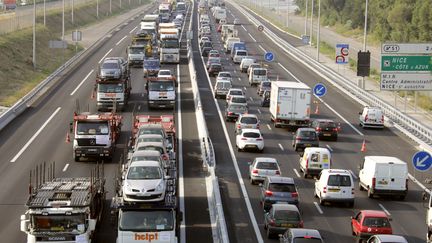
x=314, y=160
x=371, y=117
x=258, y=75
x=239, y=55
x=384, y=175
x=335, y=185
x=229, y=43
x=245, y=63
x=221, y=88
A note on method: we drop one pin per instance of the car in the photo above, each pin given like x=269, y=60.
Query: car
x=224, y=75
x=205, y=51
x=212, y=60
x=234, y=91
x=370, y=222
x=221, y=87
x=206, y=44
x=265, y=99
x=252, y=66
x=305, y=137
x=326, y=129
x=239, y=55
x=262, y=167
x=144, y=182
x=148, y=155
x=335, y=185
x=233, y=111
x=236, y=21
x=237, y=99
x=214, y=69
x=299, y=235
x=214, y=53
x=247, y=121
x=280, y=218
x=387, y=239
x=250, y=139
x=110, y=69
x=245, y=64
x=204, y=38
x=263, y=86
x=371, y=117
x=278, y=189
x=164, y=73
x=314, y=160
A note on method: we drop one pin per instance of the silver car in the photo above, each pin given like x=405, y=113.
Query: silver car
x=294, y=235
x=262, y=167
x=247, y=121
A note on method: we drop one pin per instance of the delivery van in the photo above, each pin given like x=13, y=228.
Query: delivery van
x=314, y=160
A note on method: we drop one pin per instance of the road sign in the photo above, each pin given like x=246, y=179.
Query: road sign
x=57, y=44
x=320, y=89
x=422, y=161
x=406, y=63
x=76, y=36
x=342, y=53
x=269, y=56
x=407, y=48
x=260, y=28
x=305, y=39
x=406, y=81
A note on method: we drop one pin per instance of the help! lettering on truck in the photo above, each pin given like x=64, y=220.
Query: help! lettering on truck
x=147, y=236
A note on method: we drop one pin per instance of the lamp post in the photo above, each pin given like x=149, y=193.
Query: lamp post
x=72, y=13
x=97, y=8
x=63, y=21
x=306, y=17
x=34, y=35
x=364, y=38
x=311, y=22
x=44, y=6
x=318, y=29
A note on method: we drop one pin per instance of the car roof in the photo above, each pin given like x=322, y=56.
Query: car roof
x=317, y=149
x=280, y=179
x=146, y=153
x=391, y=238
x=298, y=232
x=235, y=89
x=336, y=171
x=265, y=159
x=285, y=206
x=245, y=115
x=251, y=130
x=152, y=135
x=374, y=213
x=305, y=129
x=385, y=159
x=150, y=163
x=158, y=144
x=324, y=120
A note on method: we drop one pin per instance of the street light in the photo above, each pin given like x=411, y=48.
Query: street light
x=97, y=8
x=34, y=35
x=318, y=29
x=364, y=38
x=306, y=17
x=311, y=22
x=72, y=14
x=44, y=12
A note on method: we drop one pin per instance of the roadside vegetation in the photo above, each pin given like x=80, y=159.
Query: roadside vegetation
x=17, y=75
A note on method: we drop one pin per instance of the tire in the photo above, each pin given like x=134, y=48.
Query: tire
x=261, y=151
x=369, y=193
x=77, y=159
x=277, y=125
x=360, y=187
x=321, y=201
x=252, y=182
x=238, y=149
x=315, y=194
x=265, y=226
x=305, y=175
x=352, y=231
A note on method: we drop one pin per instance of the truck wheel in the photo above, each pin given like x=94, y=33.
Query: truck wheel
x=76, y=158
x=277, y=125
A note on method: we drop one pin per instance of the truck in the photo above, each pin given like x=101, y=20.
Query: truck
x=144, y=220
x=160, y=92
x=144, y=35
x=95, y=135
x=151, y=18
x=228, y=30
x=427, y=203
x=169, y=46
x=164, y=12
x=219, y=14
x=64, y=209
x=135, y=54
x=257, y=76
x=290, y=104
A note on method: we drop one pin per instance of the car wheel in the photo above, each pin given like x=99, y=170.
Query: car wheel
x=321, y=200
x=262, y=150
x=305, y=175
x=315, y=194
x=351, y=204
x=352, y=231
x=360, y=187
x=369, y=193
x=238, y=149
x=265, y=226
x=76, y=158
x=252, y=181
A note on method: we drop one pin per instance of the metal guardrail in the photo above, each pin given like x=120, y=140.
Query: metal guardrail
x=362, y=96
x=25, y=102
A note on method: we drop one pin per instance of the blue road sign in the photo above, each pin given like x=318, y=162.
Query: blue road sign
x=269, y=56
x=319, y=89
x=422, y=161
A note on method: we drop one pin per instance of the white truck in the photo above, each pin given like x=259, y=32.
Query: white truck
x=169, y=42
x=63, y=210
x=427, y=199
x=257, y=76
x=290, y=104
x=220, y=14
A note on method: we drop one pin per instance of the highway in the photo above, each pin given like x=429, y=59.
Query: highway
x=39, y=134
x=333, y=221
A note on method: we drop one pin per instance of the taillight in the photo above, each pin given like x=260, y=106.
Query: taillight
x=352, y=191
x=268, y=193
x=298, y=138
x=254, y=171
x=382, y=119
x=373, y=182
x=258, y=126
x=325, y=190
x=300, y=224
x=335, y=129
x=277, y=172
x=238, y=126
x=258, y=139
x=318, y=129
x=230, y=113
x=243, y=138
x=294, y=194
x=165, y=157
x=366, y=117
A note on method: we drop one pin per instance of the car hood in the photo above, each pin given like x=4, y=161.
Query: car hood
x=141, y=186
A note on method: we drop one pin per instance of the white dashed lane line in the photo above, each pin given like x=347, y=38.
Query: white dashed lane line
x=318, y=208
x=297, y=173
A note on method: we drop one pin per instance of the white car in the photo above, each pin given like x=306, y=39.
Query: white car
x=237, y=99
x=144, y=182
x=233, y=91
x=250, y=139
x=204, y=38
x=164, y=73
x=262, y=167
x=372, y=117
x=224, y=76
x=335, y=185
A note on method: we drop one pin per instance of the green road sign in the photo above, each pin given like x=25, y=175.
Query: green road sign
x=406, y=63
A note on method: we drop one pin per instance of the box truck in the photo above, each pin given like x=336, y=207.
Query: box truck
x=290, y=104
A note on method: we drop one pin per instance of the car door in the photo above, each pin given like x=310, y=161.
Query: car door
x=356, y=222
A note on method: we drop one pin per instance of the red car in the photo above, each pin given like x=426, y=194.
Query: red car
x=370, y=222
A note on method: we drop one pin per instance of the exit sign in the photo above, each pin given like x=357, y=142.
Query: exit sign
x=406, y=63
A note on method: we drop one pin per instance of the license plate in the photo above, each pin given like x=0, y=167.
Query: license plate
x=248, y=126
x=308, y=144
x=287, y=225
x=92, y=150
x=327, y=134
x=334, y=190
x=315, y=165
x=383, y=182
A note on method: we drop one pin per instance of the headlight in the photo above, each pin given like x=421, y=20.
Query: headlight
x=160, y=187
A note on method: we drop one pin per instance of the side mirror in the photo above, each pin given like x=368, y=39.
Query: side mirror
x=24, y=225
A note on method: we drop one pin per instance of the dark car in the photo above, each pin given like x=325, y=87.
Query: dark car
x=280, y=218
x=297, y=235
x=233, y=111
x=264, y=85
x=278, y=189
x=265, y=99
x=205, y=51
x=214, y=69
x=305, y=137
x=206, y=44
x=326, y=129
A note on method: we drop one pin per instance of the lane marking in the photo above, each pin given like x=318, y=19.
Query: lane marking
x=66, y=167
x=35, y=135
x=244, y=28
x=329, y=148
x=262, y=48
x=121, y=40
x=234, y=69
x=269, y=127
x=79, y=85
x=297, y=173
x=251, y=99
x=130, y=32
x=139, y=107
x=259, y=111
x=281, y=147
x=318, y=208
x=353, y=175
x=239, y=79
x=106, y=54
x=384, y=209
x=252, y=37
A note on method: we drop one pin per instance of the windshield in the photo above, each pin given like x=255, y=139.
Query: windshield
x=75, y=223
x=92, y=128
x=164, y=11
x=282, y=187
x=151, y=63
x=307, y=240
x=142, y=221
x=260, y=72
x=376, y=222
x=159, y=149
x=240, y=100
x=266, y=84
x=110, y=88
x=165, y=73
x=249, y=120
x=236, y=92
x=339, y=180
x=147, y=130
x=136, y=50
x=145, y=158
x=237, y=108
x=251, y=135
x=267, y=166
x=144, y=173
x=241, y=53
x=226, y=75
x=161, y=86
x=170, y=43
x=181, y=7
x=307, y=134
x=150, y=139
x=286, y=215
x=110, y=65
